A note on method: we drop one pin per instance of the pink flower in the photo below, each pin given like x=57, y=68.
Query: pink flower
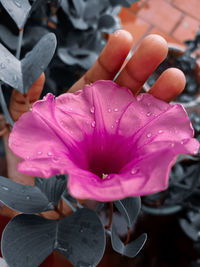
x=111, y=144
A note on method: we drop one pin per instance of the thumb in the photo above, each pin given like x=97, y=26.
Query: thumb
x=18, y=101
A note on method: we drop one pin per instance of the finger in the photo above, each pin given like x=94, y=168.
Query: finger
x=169, y=85
x=152, y=51
x=17, y=101
x=110, y=60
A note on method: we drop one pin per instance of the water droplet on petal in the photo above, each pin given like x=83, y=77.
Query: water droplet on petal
x=71, y=109
x=49, y=153
x=28, y=197
x=109, y=110
x=160, y=131
x=112, y=126
x=27, y=157
x=55, y=159
x=93, y=124
x=133, y=171
x=172, y=145
x=115, y=109
x=117, y=121
x=139, y=97
x=148, y=104
x=148, y=114
x=92, y=109
x=149, y=135
x=5, y=188
x=39, y=152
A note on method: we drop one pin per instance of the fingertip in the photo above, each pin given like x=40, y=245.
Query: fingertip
x=169, y=85
x=123, y=34
x=155, y=42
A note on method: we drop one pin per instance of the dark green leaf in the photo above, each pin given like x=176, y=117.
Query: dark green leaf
x=23, y=198
x=36, y=61
x=81, y=238
x=108, y=23
x=162, y=210
x=10, y=69
x=52, y=187
x=189, y=229
x=131, y=249
x=27, y=240
x=8, y=38
x=18, y=10
x=129, y=208
x=81, y=57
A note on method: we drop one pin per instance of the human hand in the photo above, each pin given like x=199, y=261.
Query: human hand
x=145, y=60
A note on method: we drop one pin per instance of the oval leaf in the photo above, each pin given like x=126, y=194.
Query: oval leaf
x=81, y=238
x=10, y=69
x=18, y=10
x=52, y=187
x=36, y=61
x=8, y=38
x=27, y=240
x=129, y=208
x=131, y=249
x=23, y=198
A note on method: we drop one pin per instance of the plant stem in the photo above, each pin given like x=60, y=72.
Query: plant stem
x=110, y=217
x=19, y=44
x=5, y=109
x=70, y=204
x=128, y=236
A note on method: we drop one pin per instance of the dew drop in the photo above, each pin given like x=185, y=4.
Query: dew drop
x=27, y=157
x=116, y=109
x=5, y=188
x=92, y=109
x=15, y=78
x=139, y=97
x=149, y=135
x=18, y=3
x=71, y=109
x=172, y=145
x=2, y=66
x=109, y=110
x=39, y=152
x=112, y=126
x=81, y=230
x=133, y=171
x=55, y=159
x=148, y=114
x=148, y=104
x=93, y=124
x=28, y=197
x=49, y=153
x=160, y=131
x=117, y=121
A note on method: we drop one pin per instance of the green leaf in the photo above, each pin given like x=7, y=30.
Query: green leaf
x=131, y=249
x=18, y=10
x=129, y=208
x=23, y=198
x=27, y=240
x=10, y=69
x=81, y=238
x=36, y=61
x=52, y=187
x=21, y=75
